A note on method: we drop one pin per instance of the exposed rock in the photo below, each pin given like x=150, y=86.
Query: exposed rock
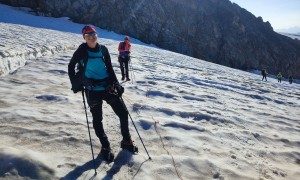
x=214, y=30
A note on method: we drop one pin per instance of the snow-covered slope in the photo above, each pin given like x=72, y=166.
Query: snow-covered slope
x=16, y=47
x=293, y=36
x=198, y=120
x=19, y=43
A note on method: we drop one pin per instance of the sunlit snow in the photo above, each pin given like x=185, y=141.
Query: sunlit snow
x=198, y=120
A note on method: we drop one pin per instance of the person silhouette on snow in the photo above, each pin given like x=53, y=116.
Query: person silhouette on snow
x=264, y=74
x=290, y=79
x=100, y=83
x=124, y=57
x=279, y=76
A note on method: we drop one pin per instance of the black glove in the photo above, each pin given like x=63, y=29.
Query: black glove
x=76, y=84
x=76, y=89
x=119, y=89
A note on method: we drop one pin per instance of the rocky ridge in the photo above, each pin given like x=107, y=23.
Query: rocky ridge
x=214, y=30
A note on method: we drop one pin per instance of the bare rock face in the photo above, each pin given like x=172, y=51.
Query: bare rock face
x=214, y=30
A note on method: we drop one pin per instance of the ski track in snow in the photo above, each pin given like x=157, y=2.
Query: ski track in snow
x=213, y=121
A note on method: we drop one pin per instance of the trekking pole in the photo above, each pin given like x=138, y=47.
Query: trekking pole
x=130, y=69
x=132, y=72
x=135, y=127
x=87, y=122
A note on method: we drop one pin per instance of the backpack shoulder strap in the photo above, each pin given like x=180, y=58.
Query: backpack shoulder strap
x=123, y=45
x=103, y=58
x=85, y=56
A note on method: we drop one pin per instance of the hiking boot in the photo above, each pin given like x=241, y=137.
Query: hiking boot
x=107, y=154
x=123, y=78
x=129, y=146
x=127, y=79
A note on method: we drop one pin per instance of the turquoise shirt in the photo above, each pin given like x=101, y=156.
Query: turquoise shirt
x=96, y=68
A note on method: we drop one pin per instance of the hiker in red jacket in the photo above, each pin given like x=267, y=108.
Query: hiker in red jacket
x=124, y=57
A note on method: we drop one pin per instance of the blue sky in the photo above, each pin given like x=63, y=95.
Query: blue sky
x=282, y=14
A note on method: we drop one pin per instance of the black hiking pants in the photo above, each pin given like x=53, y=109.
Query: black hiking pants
x=124, y=61
x=95, y=101
x=264, y=77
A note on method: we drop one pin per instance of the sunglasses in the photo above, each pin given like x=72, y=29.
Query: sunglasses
x=90, y=34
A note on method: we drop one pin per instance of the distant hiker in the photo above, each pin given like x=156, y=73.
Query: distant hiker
x=279, y=76
x=100, y=83
x=264, y=74
x=124, y=57
x=291, y=79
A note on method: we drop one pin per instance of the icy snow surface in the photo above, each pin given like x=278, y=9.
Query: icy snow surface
x=198, y=120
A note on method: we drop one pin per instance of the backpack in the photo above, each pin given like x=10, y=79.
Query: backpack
x=122, y=45
x=80, y=81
